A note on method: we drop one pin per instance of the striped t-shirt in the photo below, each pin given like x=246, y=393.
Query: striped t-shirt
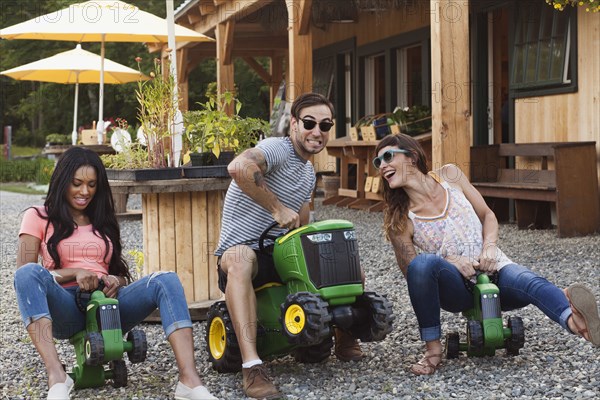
x=288, y=176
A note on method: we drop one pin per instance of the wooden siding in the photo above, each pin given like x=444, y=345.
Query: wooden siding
x=573, y=116
x=372, y=27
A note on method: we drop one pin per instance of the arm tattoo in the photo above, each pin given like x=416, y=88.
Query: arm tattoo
x=259, y=180
x=257, y=157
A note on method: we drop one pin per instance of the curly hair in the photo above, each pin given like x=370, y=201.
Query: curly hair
x=100, y=211
x=396, y=201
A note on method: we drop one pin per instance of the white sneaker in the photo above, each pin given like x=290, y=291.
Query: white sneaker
x=61, y=391
x=183, y=392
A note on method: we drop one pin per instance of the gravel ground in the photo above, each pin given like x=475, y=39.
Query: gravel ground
x=553, y=364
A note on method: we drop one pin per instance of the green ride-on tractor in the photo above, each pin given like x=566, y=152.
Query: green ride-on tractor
x=322, y=288
x=101, y=342
x=485, y=330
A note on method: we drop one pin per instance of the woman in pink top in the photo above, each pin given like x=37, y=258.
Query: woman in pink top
x=444, y=216
x=77, y=235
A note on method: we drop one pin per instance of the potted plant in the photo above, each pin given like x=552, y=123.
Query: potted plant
x=214, y=137
x=152, y=157
x=55, y=139
x=413, y=120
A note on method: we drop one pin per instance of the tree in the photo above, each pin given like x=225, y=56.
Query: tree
x=35, y=109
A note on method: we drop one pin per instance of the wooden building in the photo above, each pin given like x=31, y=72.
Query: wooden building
x=502, y=71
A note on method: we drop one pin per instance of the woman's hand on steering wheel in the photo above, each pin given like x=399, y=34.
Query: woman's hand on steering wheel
x=111, y=285
x=86, y=280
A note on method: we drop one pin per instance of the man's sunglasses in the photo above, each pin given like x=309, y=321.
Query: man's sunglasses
x=324, y=126
x=387, y=156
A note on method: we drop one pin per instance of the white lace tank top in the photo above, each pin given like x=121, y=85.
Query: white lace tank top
x=456, y=231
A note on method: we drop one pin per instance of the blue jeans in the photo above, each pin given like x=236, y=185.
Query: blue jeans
x=434, y=284
x=40, y=296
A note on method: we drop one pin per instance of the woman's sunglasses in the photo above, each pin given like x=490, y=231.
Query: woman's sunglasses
x=387, y=156
x=324, y=126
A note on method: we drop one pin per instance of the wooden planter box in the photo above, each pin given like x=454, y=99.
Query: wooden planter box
x=181, y=227
x=143, y=174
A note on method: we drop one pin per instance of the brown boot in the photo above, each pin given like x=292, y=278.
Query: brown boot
x=346, y=347
x=257, y=383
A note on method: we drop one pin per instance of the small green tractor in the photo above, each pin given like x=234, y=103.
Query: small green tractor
x=485, y=330
x=102, y=342
x=322, y=288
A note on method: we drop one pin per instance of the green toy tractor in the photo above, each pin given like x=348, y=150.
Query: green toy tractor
x=485, y=330
x=102, y=342
x=322, y=288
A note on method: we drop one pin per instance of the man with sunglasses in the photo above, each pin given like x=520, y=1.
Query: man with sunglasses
x=272, y=182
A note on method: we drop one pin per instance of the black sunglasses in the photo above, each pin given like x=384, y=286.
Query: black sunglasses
x=387, y=156
x=324, y=126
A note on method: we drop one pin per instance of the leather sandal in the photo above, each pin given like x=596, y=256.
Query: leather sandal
x=584, y=306
x=426, y=363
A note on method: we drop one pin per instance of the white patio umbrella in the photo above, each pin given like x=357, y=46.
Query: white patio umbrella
x=74, y=66
x=100, y=21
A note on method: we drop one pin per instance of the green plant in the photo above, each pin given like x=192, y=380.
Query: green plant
x=138, y=260
x=590, y=5
x=212, y=129
x=413, y=120
x=57, y=138
x=38, y=170
x=156, y=111
x=133, y=156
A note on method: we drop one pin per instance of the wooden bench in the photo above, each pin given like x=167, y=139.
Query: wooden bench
x=564, y=173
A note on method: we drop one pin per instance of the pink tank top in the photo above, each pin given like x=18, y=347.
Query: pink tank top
x=456, y=231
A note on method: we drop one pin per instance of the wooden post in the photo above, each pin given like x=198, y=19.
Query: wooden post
x=299, y=73
x=182, y=77
x=276, y=71
x=225, y=80
x=450, y=97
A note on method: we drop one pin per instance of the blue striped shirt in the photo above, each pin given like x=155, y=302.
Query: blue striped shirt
x=288, y=176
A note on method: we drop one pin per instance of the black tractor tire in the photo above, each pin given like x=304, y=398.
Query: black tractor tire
x=137, y=338
x=474, y=337
x=452, y=347
x=94, y=349
x=313, y=354
x=221, y=341
x=305, y=319
x=380, y=318
x=119, y=370
x=517, y=339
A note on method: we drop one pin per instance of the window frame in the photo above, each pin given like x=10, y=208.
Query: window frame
x=533, y=89
x=389, y=46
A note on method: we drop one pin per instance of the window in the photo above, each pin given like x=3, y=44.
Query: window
x=543, y=52
x=375, y=84
x=410, y=71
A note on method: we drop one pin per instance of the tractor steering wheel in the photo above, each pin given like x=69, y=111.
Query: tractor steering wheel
x=82, y=298
x=266, y=235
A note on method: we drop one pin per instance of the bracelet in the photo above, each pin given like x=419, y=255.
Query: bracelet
x=117, y=279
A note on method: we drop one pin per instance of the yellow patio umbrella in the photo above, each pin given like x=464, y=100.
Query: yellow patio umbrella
x=101, y=21
x=74, y=66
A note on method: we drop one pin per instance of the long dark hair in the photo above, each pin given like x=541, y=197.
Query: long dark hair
x=396, y=200
x=100, y=211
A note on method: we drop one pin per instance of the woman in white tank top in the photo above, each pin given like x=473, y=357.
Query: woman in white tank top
x=443, y=233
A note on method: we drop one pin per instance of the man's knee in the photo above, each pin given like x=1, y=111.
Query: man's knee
x=239, y=261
